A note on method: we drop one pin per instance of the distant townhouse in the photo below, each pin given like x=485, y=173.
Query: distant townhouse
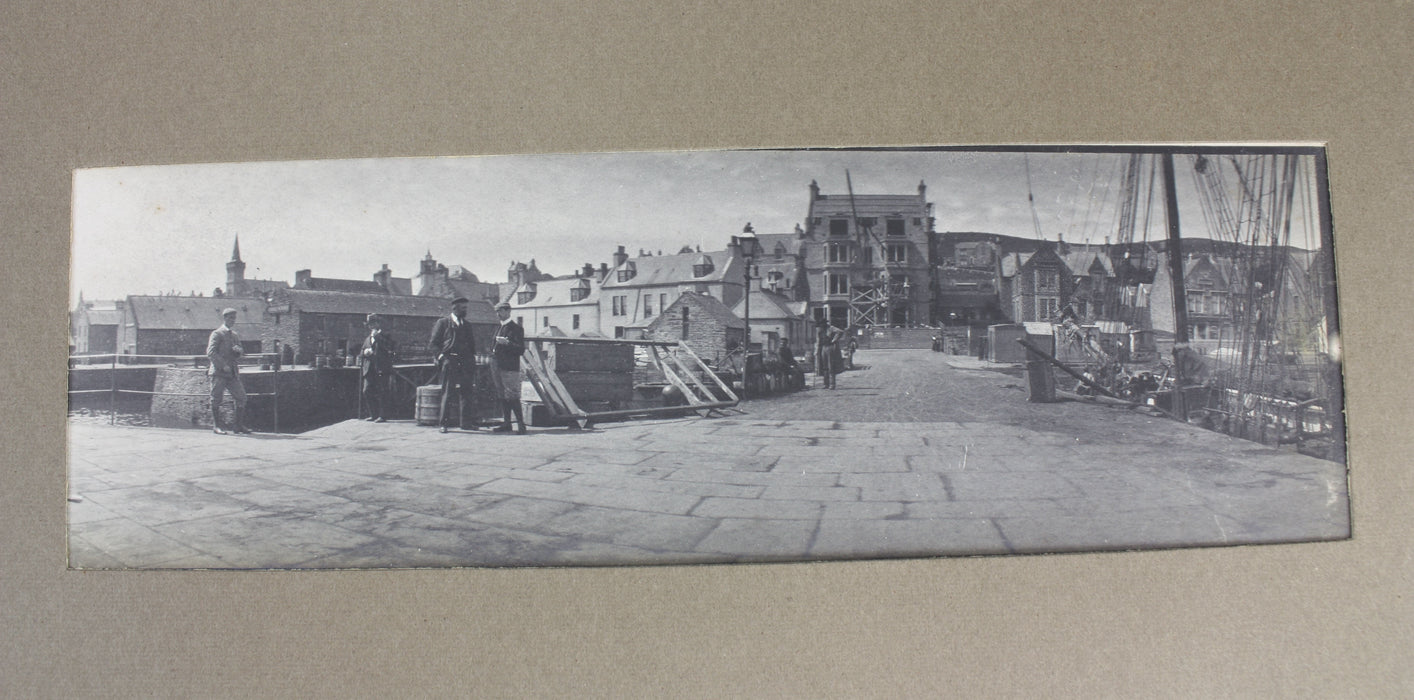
x=559, y=306
x=1095, y=286
x=437, y=280
x=774, y=316
x=637, y=290
x=868, y=258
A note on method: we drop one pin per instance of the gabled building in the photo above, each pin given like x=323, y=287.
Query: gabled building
x=1095, y=285
x=93, y=327
x=868, y=258
x=560, y=306
x=1034, y=287
x=781, y=266
x=181, y=326
x=304, y=280
x=701, y=321
x=637, y=290
x=774, y=316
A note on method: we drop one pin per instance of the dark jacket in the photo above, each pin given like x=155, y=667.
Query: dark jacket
x=508, y=355
x=385, y=351
x=453, y=343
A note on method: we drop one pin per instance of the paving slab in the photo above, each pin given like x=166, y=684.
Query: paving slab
x=911, y=457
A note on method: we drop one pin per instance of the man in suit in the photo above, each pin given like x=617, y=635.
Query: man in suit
x=456, y=361
x=224, y=351
x=505, y=366
x=378, y=352
x=827, y=351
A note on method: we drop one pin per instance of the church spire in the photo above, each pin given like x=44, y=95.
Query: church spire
x=236, y=251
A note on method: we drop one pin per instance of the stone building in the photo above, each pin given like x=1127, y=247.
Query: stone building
x=1036, y=286
x=774, y=316
x=437, y=280
x=93, y=326
x=1096, y=288
x=560, y=306
x=181, y=326
x=321, y=323
x=868, y=258
x=637, y=290
x=701, y=321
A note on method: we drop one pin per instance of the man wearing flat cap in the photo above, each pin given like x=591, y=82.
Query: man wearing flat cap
x=377, y=355
x=505, y=366
x=456, y=362
x=224, y=352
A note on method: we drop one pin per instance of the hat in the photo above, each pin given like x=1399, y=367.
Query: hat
x=460, y=300
x=227, y=311
x=503, y=305
x=374, y=318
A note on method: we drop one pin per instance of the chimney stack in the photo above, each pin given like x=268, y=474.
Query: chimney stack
x=302, y=279
x=620, y=257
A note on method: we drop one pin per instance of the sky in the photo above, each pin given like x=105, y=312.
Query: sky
x=171, y=228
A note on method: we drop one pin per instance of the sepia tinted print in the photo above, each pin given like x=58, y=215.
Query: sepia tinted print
x=703, y=357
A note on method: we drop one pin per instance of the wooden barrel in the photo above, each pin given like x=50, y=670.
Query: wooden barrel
x=429, y=404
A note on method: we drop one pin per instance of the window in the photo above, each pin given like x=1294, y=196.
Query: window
x=580, y=291
x=839, y=228
x=627, y=272
x=1047, y=308
x=1047, y=280
x=647, y=305
x=662, y=302
x=780, y=251
x=544, y=321
x=837, y=284
x=524, y=297
x=917, y=221
x=837, y=252
x=868, y=255
x=703, y=267
x=620, y=305
x=894, y=227
x=896, y=252
x=773, y=279
x=684, y=322
x=574, y=321
x=618, y=331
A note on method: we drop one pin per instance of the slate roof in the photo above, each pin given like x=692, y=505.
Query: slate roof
x=656, y=270
x=707, y=304
x=879, y=206
x=556, y=292
x=769, y=241
x=316, y=301
x=767, y=305
x=400, y=285
x=192, y=313
x=1080, y=262
x=263, y=287
x=330, y=284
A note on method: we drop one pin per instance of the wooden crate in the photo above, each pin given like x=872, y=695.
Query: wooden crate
x=591, y=357
x=585, y=387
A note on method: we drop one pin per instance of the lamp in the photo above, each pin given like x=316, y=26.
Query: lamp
x=750, y=248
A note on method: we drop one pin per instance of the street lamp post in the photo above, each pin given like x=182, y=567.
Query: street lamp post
x=750, y=247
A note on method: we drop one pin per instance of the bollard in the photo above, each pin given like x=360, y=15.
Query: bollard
x=1040, y=381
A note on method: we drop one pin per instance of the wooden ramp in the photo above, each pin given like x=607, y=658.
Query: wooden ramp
x=682, y=367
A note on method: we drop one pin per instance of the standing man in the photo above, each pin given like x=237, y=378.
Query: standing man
x=456, y=361
x=224, y=352
x=794, y=379
x=505, y=366
x=827, y=351
x=379, y=351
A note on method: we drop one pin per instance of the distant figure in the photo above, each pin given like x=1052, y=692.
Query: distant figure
x=827, y=351
x=505, y=369
x=849, y=350
x=377, y=355
x=224, y=351
x=456, y=361
x=794, y=378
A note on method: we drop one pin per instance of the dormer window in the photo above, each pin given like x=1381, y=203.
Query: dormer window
x=627, y=271
x=703, y=266
x=579, y=291
x=839, y=228
x=895, y=227
x=526, y=294
x=780, y=251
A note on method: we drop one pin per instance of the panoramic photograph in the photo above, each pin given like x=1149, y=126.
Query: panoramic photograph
x=703, y=357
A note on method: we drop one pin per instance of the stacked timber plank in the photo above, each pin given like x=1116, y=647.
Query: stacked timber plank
x=594, y=372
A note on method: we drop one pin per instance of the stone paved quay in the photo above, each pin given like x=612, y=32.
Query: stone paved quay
x=916, y=454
